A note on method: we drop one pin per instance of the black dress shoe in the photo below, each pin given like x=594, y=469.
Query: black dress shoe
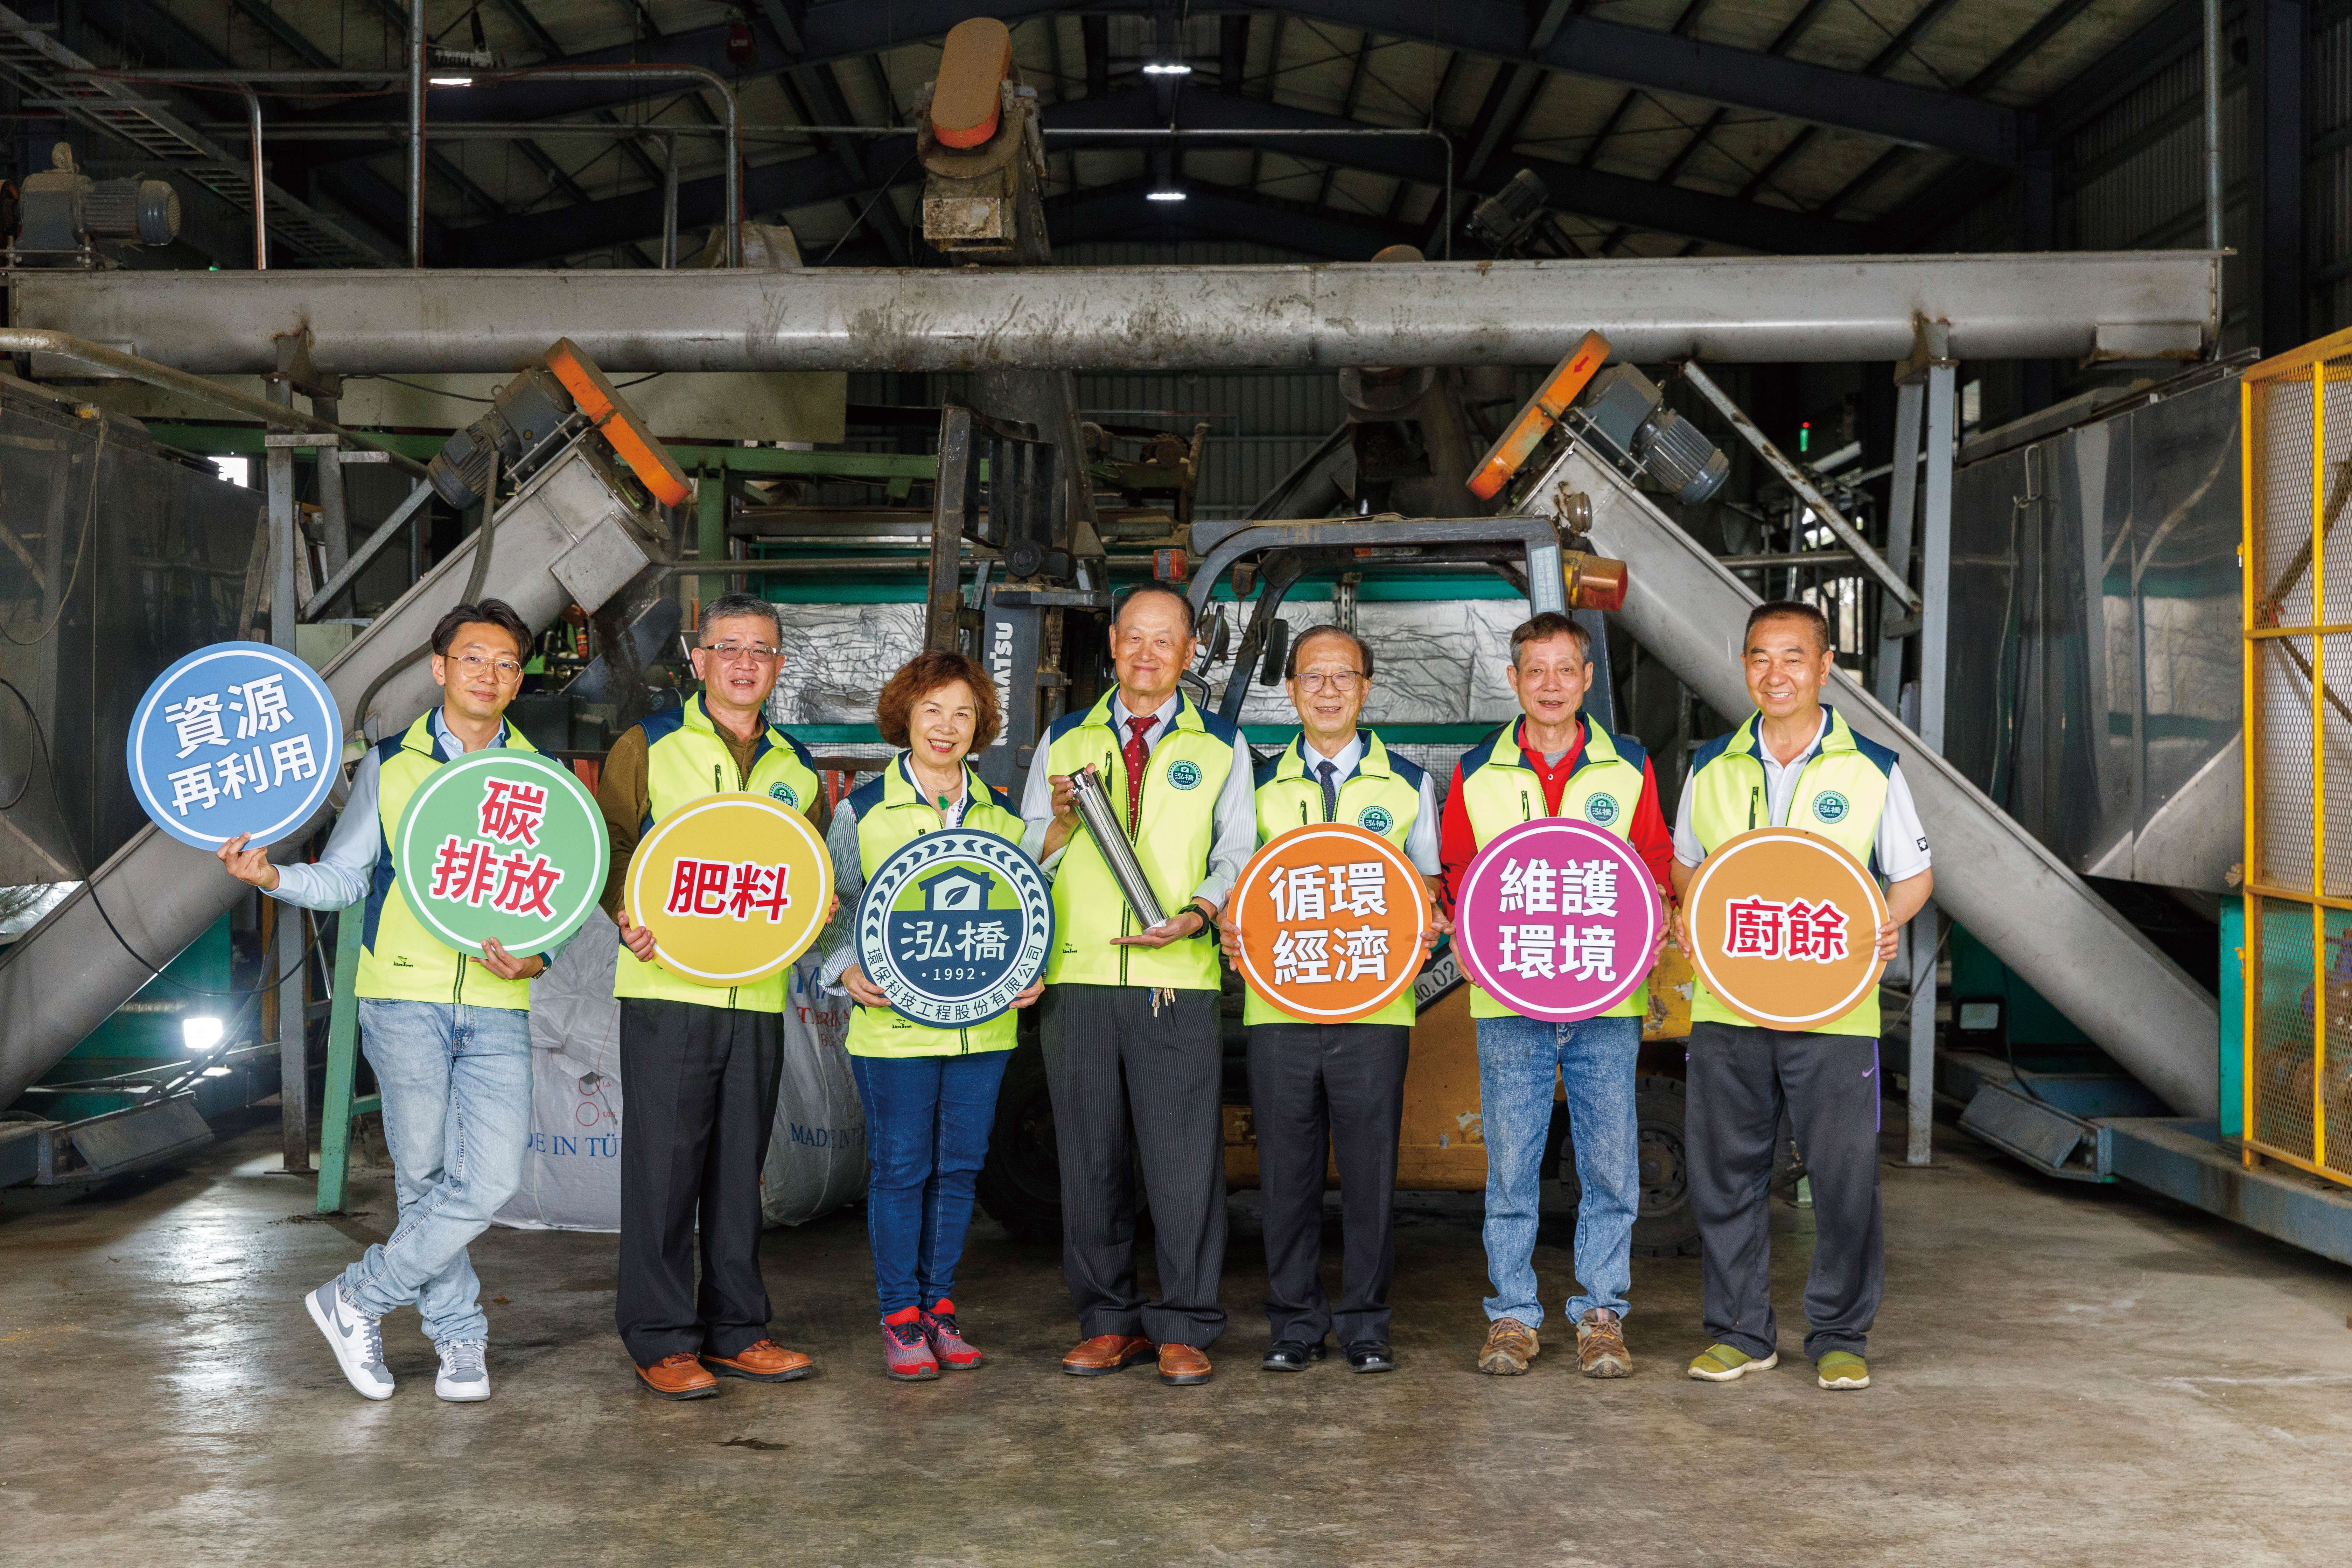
x=1292, y=1355
x=1371, y=1355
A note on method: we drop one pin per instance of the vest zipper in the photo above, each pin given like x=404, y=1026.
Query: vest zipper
x=1753, y=792
x=1526, y=812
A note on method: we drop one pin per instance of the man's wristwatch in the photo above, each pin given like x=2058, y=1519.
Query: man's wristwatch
x=1208, y=917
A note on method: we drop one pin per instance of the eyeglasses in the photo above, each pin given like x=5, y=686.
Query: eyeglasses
x=733, y=652
x=1341, y=680
x=475, y=664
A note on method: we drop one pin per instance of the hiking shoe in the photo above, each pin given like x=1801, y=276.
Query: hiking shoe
x=906, y=1350
x=1842, y=1369
x=1510, y=1345
x=948, y=1346
x=1601, y=1345
x=1728, y=1364
x=463, y=1376
x=356, y=1337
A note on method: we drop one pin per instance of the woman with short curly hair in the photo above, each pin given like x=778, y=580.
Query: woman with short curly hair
x=929, y=1094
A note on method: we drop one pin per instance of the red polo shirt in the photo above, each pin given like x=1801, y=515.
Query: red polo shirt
x=1457, y=845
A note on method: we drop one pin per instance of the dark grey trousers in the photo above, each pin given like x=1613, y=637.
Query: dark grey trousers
x=1741, y=1078
x=1135, y=1084
x=698, y=1089
x=1318, y=1092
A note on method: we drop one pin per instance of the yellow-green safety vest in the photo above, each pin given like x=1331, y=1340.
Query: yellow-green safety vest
x=1382, y=797
x=1500, y=791
x=400, y=961
x=1181, y=781
x=1839, y=795
x=892, y=812
x=685, y=760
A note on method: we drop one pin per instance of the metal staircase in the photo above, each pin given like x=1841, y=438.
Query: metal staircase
x=46, y=73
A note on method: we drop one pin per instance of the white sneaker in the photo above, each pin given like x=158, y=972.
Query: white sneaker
x=462, y=1377
x=357, y=1340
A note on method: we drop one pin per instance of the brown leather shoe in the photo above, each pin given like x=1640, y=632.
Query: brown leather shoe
x=1105, y=1353
x=766, y=1362
x=1181, y=1365
x=678, y=1376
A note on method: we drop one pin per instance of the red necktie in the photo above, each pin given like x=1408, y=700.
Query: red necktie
x=1137, y=755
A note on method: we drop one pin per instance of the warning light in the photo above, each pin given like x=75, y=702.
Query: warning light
x=1804, y=437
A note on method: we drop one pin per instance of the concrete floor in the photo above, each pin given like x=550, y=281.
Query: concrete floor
x=2086, y=1376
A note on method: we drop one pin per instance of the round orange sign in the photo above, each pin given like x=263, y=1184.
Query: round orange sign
x=1784, y=928
x=1331, y=920
x=733, y=886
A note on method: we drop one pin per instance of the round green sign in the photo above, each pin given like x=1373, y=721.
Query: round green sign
x=502, y=843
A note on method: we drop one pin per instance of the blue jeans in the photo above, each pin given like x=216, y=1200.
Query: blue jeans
x=926, y=1125
x=1518, y=1059
x=457, y=1113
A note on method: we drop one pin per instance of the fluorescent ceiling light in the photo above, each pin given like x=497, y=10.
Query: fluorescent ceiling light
x=200, y=1034
x=1166, y=68
x=451, y=80
x=1163, y=195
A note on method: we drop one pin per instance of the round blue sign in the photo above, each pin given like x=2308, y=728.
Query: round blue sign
x=238, y=738
x=954, y=925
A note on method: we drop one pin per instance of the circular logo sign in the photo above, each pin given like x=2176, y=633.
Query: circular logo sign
x=1784, y=926
x=501, y=843
x=1376, y=819
x=1601, y=808
x=1830, y=807
x=1558, y=921
x=1331, y=920
x=1183, y=775
x=239, y=737
x=954, y=925
x=733, y=886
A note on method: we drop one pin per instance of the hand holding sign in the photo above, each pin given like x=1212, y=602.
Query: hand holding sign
x=1558, y=921
x=953, y=928
x=732, y=887
x=237, y=741
x=1328, y=922
x=1786, y=928
x=502, y=849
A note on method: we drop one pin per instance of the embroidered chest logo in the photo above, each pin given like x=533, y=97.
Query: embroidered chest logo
x=785, y=792
x=1601, y=810
x=1375, y=819
x=1830, y=807
x=1184, y=776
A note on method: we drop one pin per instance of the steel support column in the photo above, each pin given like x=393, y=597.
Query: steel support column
x=2274, y=142
x=285, y=614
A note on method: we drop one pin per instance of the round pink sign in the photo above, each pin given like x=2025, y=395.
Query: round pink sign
x=1558, y=921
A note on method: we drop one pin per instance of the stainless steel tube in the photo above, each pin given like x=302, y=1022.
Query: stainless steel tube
x=1746, y=309
x=260, y=222
x=1102, y=821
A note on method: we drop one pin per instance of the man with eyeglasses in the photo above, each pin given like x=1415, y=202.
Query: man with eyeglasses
x=700, y=1066
x=1332, y=1090
x=447, y=1034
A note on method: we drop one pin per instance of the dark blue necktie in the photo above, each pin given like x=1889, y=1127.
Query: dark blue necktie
x=1330, y=792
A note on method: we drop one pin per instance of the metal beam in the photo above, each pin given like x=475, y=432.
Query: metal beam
x=1720, y=73
x=1737, y=309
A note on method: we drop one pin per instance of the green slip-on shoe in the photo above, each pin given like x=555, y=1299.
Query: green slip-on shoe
x=1842, y=1369
x=1726, y=1364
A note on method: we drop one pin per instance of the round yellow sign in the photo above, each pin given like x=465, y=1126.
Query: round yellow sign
x=1784, y=928
x=733, y=886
